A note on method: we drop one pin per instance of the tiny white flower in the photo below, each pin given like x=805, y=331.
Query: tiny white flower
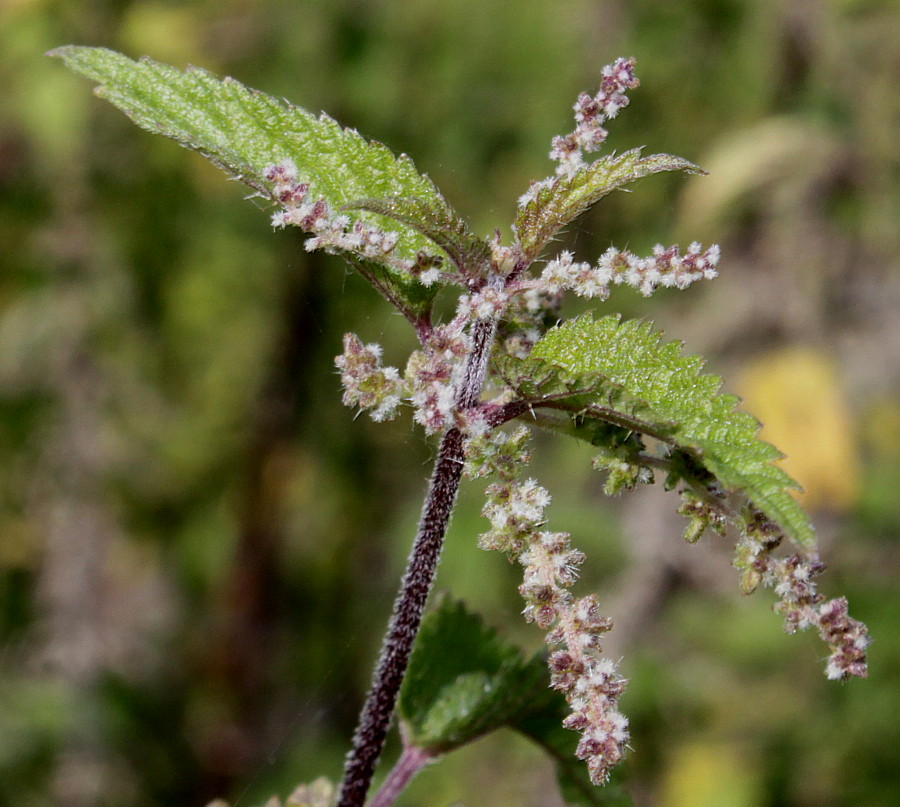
x=386, y=409
x=430, y=276
x=833, y=670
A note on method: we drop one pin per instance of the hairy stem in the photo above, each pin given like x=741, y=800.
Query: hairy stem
x=379, y=706
x=396, y=647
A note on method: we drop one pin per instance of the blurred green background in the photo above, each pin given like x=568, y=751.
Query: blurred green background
x=199, y=546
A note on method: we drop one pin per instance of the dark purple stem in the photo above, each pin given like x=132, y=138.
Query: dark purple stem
x=378, y=709
x=411, y=761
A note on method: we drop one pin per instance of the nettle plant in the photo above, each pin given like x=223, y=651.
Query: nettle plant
x=479, y=383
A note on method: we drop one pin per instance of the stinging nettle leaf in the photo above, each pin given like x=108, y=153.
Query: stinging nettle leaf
x=539, y=383
x=464, y=681
x=672, y=390
x=407, y=295
x=243, y=131
x=568, y=196
x=437, y=222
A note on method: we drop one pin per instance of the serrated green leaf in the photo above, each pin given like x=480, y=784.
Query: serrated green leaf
x=438, y=222
x=407, y=295
x=540, y=383
x=463, y=681
x=673, y=393
x=244, y=131
x=567, y=197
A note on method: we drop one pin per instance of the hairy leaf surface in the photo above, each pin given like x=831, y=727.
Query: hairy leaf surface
x=439, y=223
x=464, y=681
x=567, y=197
x=663, y=387
x=243, y=131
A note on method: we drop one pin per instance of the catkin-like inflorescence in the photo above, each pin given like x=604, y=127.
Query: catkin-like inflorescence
x=434, y=373
x=847, y=638
x=514, y=510
x=330, y=232
x=803, y=607
x=666, y=268
x=793, y=580
x=591, y=112
x=366, y=383
x=590, y=682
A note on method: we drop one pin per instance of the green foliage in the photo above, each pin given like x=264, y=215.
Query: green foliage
x=567, y=197
x=665, y=390
x=484, y=114
x=464, y=681
x=437, y=221
x=244, y=131
x=406, y=294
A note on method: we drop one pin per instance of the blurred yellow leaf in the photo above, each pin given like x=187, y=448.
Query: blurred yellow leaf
x=710, y=774
x=797, y=395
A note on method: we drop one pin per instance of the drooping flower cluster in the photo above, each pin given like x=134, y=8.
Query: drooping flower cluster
x=793, y=580
x=366, y=383
x=591, y=112
x=589, y=681
x=429, y=383
x=314, y=216
x=666, y=267
x=803, y=607
x=848, y=639
x=515, y=506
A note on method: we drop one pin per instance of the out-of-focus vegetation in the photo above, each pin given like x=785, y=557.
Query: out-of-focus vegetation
x=199, y=547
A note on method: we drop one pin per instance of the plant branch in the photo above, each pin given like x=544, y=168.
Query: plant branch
x=378, y=709
x=411, y=761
